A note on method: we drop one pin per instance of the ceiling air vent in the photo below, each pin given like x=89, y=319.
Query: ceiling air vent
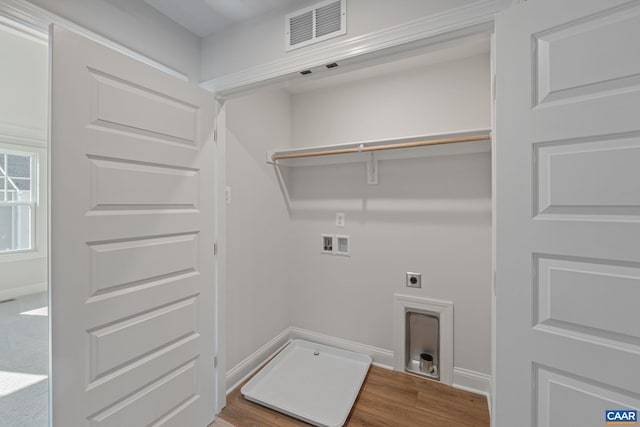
x=313, y=24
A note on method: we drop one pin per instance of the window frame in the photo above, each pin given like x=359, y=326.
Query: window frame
x=33, y=199
x=38, y=203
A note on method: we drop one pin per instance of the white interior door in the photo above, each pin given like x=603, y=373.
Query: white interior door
x=568, y=212
x=132, y=280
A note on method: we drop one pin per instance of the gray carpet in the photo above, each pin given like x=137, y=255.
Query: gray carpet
x=24, y=360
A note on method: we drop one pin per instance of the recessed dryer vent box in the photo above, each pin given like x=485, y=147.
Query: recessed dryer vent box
x=422, y=343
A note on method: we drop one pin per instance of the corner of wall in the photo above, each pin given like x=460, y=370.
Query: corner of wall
x=239, y=373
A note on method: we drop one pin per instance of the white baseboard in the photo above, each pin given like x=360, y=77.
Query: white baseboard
x=22, y=291
x=251, y=364
x=475, y=382
x=381, y=357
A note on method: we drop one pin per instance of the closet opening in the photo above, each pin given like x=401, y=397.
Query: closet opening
x=301, y=170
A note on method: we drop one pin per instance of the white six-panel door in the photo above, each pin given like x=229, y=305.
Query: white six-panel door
x=132, y=220
x=568, y=212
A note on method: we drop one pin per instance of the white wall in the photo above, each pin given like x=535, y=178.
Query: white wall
x=137, y=26
x=262, y=40
x=23, y=84
x=258, y=232
x=23, y=120
x=428, y=215
x=441, y=98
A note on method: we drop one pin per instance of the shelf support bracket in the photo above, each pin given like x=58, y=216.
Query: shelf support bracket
x=269, y=159
x=372, y=169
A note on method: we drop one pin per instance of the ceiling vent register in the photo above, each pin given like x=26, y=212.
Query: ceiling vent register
x=316, y=23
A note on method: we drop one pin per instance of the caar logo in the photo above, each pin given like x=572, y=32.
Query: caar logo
x=621, y=417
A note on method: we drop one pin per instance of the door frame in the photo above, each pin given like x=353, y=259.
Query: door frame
x=477, y=18
x=221, y=256
x=35, y=21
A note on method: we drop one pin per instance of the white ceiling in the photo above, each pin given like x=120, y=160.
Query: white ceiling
x=205, y=17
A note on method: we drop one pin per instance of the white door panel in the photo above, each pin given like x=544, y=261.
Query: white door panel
x=568, y=212
x=580, y=185
x=132, y=280
x=556, y=392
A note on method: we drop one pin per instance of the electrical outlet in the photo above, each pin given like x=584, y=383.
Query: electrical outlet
x=340, y=219
x=414, y=280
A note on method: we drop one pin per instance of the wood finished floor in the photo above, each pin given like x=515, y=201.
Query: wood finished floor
x=387, y=398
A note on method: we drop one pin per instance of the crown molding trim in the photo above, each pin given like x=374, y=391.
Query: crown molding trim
x=475, y=18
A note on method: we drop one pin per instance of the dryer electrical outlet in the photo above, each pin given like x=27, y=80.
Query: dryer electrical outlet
x=414, y=280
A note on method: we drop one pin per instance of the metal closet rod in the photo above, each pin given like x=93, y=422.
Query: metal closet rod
x=363, y=149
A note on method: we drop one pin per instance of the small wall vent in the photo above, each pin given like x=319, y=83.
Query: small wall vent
x=313, y=24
